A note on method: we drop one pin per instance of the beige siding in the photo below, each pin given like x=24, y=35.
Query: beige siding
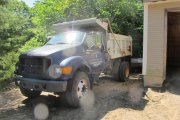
x=155, y=35
x=155, y=38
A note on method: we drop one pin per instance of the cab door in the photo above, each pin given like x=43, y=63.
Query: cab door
x=94, y=51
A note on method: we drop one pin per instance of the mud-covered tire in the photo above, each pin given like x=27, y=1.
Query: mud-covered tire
x=115, y=70
x=30, y=93
x=80, y=82
x=124, y=70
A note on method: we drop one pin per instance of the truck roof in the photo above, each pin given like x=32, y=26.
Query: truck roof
x=86, y=24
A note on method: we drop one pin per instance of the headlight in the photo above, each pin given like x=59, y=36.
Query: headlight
x=55, y=71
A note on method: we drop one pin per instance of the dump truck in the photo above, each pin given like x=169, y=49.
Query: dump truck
x=71, y=60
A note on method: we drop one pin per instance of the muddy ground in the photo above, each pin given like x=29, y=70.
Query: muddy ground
x=110, y=100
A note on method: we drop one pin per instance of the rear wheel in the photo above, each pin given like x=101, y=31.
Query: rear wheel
x=121, y=71
x=124, y=71
x=76, y=89
x=115, y=73
x=30, y=93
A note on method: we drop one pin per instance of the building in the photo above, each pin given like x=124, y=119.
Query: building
x=161, y=45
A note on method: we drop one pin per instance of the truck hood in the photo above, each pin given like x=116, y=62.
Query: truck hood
x=49, y=50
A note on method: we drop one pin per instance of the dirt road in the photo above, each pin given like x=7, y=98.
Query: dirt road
x=110, y=100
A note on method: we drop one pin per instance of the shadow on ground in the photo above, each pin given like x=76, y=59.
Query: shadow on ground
x=172, y=82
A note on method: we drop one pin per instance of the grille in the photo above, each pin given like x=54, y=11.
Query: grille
x=34, y=65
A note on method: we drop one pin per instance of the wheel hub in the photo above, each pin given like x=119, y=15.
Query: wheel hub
x=82, y=88
x=126, y=72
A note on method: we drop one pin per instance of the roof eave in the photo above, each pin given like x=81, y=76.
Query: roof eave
x=158, y=1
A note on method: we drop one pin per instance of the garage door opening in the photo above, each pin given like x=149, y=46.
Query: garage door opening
x=173, y=46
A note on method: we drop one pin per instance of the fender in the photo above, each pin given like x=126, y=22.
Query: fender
x=76, y=62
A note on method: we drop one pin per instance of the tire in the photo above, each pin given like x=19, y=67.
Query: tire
x=124, y=71
x=30, y=93
x=76, y=87
x=115, y=73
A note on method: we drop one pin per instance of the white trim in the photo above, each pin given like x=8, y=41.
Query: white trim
x=160, y=2
x=165, y=42
x=145, y=40
x=177, y=9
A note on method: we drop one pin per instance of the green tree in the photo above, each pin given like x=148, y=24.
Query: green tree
x=14, y=32
x=14, y=23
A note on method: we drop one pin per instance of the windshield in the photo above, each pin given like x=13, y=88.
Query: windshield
x=66, y=37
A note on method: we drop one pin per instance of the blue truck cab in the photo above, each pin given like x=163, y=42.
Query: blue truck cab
x=68, y=63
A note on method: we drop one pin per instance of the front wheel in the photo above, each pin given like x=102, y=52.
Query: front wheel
x=77, y=88
x=30, y=93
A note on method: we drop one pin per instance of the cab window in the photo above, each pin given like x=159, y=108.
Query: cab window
x=93, y=40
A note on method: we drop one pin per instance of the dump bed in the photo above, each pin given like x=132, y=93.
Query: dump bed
x=119, y=45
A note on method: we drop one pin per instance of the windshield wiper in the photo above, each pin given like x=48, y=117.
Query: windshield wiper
x=62, y=43
x=56, y=43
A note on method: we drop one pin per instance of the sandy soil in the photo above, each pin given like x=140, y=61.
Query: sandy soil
x=110, y=100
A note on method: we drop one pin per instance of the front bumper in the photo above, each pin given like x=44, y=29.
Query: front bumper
x=41, y=85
